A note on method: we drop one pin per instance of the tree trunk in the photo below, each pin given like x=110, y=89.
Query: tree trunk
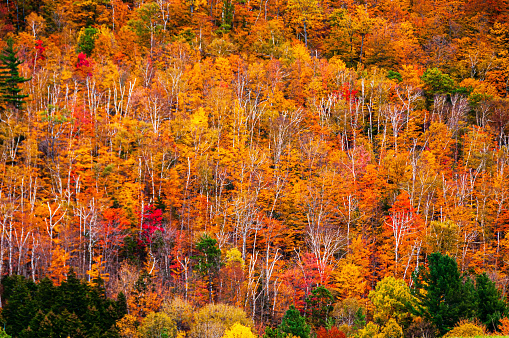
x=305, y=33
x=362, y=47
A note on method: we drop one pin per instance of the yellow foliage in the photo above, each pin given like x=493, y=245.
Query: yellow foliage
x=391, y=330
x=157, y=324
x=466, y=328
x=180, y=311
x=199, y=120
x=411, y=75
x=58, y=267
x=239, y=331
x=390, y=299
x=369, y=331
x=127, y=327
x=349, y=280
x=216, y=318
x=96, y=269
x=234, y=255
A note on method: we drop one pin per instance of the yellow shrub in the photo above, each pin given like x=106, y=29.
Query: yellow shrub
x=239, y=331
x=466, y=328
x=369, y=331
x=391, y=330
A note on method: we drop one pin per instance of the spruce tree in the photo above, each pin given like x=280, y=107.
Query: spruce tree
x=208, y=259
x=10, y=78
x=446, y=298
x=20, y=306
x=293, y=323
x=319, y=306
x=491, y=305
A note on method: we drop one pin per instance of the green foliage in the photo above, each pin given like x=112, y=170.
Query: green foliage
x=146, y=24
x=186, y=35
x=319, y=306
x=157, y=325
x=271, y=332
x=491, y=306
x=350, y=312
x=392, y=299
x=227, y=15
x=208, y=259
x=437, y=82
x=294, y=323
x=393, y=75
x=3, y=334
x=20, y=305
x=209, y=254
x=10, y=78
x=443, y=296
x=86, y=40
x=121, y=305
x=73, y=309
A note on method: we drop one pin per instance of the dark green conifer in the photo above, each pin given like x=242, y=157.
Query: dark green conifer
x=209, y=259
x=20, y=307
x=293, y=323
x=121, y=305
x=10, y=78
x=319, y=306
x=491, y=306
x=446, y=299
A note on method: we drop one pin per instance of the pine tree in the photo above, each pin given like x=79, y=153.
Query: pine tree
x=491, y=306
x=208, y=260
x=10, y=78
x=446, y=298
x=20, y=307
x=319, y=306
x=293, y=323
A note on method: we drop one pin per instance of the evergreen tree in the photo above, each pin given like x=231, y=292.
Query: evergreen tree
x=208, y=259
x=46, y=294
x=72, y=295
x=121, y=305
x=294, y=324
x=446, y=298
x=72, y=309
x=491, y=306
x=10, y=78
x=319, y=306
x=20, y=307
x=86, y=40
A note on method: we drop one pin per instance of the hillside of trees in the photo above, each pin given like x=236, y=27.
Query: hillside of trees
x=248, y=168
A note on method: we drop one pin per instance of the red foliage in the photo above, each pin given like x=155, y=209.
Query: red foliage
x=114, y=229
x=82, y=120
x=84, y=65
x=332, y=333
x=345, y=93
x=305, y=277
x=40, y=50
x=82, y=61
x=348, y=94
x=152, y=219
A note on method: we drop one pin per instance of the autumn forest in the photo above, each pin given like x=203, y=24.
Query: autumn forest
x=254, y=168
